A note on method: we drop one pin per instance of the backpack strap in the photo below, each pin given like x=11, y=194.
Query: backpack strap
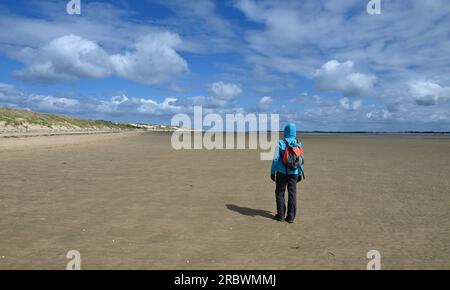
x=301, y=171
x=285, y=165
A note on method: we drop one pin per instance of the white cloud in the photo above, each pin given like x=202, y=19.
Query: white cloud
x=103, y=23
x=117, y=100
x=151, y=60
x=342, y=77
x=427, y=93
x=209, y=102
x=121, y=104
x=9, y=93
x=284, y=24
x=165, y=107
x=314, y=31
x=225, y=91
x=65, y=58
x=265, y=103
x=10, y=96
x=347, y=104
x=109, y=24
x=379, y=115
x=315, y=112
x=50, y=103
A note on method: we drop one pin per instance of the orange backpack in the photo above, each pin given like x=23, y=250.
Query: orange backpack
x=291, y=156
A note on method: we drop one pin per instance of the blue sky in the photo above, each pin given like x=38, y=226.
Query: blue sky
x=326, y=65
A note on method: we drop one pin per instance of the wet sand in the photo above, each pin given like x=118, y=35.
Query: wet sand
x=129, y=201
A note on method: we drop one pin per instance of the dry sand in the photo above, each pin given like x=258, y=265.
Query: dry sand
x=129, y=201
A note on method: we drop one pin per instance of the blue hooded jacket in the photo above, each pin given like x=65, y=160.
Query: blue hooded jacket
x=290, y=135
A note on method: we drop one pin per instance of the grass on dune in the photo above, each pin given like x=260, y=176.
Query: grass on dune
x=19, y=118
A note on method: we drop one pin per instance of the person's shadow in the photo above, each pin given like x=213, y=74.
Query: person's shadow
x=250, y=211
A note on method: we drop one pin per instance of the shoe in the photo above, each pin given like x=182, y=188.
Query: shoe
x=278, y=218
x=289, y=221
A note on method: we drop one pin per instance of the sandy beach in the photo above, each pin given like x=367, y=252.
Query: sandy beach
x=130, y=201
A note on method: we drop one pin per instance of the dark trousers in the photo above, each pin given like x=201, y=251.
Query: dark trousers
x=283, y=180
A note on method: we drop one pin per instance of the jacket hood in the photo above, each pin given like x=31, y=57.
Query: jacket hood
x=290, y=131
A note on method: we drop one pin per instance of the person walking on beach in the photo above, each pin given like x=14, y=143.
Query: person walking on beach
x=287, y=171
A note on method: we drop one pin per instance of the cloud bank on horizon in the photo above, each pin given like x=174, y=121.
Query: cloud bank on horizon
x=326, y=65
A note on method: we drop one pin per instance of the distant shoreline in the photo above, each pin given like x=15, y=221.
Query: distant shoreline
x=369, y=132
x=335, y=132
